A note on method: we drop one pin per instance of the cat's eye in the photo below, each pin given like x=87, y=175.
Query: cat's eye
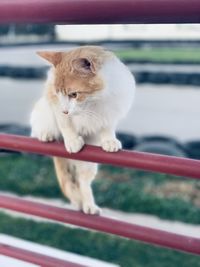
x=73, y=95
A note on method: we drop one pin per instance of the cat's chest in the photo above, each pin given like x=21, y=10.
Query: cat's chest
x=88, y=124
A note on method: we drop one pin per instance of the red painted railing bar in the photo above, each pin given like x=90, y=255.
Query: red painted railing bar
x=146, y=161
x=33, y=257
x=99, y=11
x=103, y=224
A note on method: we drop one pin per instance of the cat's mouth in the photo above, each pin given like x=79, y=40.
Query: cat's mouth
x=65, y=112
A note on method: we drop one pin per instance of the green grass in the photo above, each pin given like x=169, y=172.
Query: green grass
x=117, y=188
x=126, y=253
x=163, y=54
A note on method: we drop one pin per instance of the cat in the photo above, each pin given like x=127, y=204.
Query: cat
x=88, y=90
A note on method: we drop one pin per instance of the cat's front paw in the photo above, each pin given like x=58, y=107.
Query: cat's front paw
x=74, y=145
x=43, y=136
x=111, y=145
x=91, y=208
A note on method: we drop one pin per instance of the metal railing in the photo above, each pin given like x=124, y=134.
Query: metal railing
x=131, y=159
x=99, y=11
x=103, y=224
x=33, y=257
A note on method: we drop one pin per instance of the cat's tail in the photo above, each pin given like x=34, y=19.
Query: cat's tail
x=67, y=180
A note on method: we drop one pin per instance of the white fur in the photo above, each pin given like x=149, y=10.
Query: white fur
x=90, y=118
x=43, y=122
x=93, y=121
x=110, y=105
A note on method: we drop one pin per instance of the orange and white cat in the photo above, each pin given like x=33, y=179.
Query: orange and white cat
x=87, y=92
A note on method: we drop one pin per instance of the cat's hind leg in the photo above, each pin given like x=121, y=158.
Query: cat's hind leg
x=86, y=172
x=43, y=123
x=75, y=178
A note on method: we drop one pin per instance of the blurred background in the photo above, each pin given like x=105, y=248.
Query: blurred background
x=165, y=60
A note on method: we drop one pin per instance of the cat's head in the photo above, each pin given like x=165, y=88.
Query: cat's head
x=76, y=75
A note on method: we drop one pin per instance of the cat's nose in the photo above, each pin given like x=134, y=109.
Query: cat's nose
x=65, y=112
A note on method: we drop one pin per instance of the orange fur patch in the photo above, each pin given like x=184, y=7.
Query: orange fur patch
x=76, y=71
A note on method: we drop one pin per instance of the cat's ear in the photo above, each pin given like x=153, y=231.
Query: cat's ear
x=53, y=57
x=84, y=66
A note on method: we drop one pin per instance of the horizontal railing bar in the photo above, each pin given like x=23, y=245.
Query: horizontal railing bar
x=99, y=11
x=132, y=159
x=103, y=224
x=33, y=257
